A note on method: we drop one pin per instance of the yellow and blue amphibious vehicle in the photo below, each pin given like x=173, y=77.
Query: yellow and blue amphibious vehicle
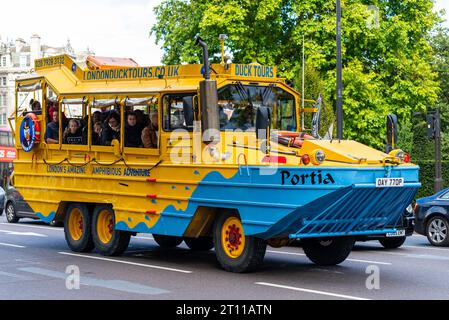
x=207, y=154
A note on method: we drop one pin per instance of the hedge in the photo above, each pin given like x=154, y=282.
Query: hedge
x=427, y=176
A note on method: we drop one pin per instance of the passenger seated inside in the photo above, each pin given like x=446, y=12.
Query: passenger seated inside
x=133, y=132
x=96, y=133
x=36, y=107
x=150, y=132
x=105, y=113
x=96, y=117
x=52, y=131
x=72, y=134
x=141, y=118
x=111, y=130
x=51, y=107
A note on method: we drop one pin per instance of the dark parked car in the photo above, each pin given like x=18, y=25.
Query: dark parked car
x=432, y=218
x=404, y=229
x=15, y=206
x=2, y=200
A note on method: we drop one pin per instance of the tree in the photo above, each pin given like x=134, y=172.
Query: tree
x=386, y=49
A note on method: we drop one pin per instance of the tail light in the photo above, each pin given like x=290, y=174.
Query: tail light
x=305, y=159
x=407, y=158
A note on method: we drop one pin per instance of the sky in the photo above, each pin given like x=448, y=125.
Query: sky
x=114, y=28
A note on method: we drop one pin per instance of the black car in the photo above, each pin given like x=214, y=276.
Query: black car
x=394, y=240
x=432, y=218
x=2, y=200
x=15, y=206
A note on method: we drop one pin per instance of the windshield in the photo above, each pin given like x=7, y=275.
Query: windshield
x=238, y=106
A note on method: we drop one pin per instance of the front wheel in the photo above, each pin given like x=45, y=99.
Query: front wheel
x=437, y=229
x=200, y=243
x=327, y=252
x=392, y=243
x=235, y=251
x=11, y=216
x=107, y=240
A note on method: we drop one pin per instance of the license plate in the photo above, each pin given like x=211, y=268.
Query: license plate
x=399, y=233
x=389, y=182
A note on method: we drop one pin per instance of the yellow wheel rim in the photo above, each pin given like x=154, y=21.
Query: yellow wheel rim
x=105, y=226
x=76, y=222
x=232, y=237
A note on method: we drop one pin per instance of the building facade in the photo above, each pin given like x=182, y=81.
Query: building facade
x=17, y=60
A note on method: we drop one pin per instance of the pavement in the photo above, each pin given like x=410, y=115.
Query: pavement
x=35, y=263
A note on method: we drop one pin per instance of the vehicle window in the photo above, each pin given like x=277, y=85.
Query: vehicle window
x=105, y=122
x=445, y=196
x=141, y=123
x=29, y=99
x=74, y=121
x=178, y=112
x=238, y=107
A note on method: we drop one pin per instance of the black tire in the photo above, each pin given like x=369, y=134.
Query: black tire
x=252, y=255
x=85, y=242
x=167, y=241
x=443, y=224
x=10, y=212
x=328, y=252
x=200, y=243
x=392, y=243
x=119, y=240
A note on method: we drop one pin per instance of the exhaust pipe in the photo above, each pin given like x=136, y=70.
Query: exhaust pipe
x=210, y=124
x=203, y=44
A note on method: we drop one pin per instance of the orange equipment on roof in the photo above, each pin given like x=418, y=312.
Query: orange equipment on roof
x=101, y=63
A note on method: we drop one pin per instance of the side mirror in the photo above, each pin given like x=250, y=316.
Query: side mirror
x=187, y=108
x=263, y=121
x=392, y=132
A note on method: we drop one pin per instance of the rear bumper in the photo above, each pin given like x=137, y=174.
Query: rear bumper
x=408, y=225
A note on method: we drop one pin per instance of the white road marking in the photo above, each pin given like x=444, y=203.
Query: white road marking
x=11, y=245
x=428, y=247
x=30, y=226
x=352, y=260
x=17, y=233
x=120, y=285
x=310, y=291
x=126, y=262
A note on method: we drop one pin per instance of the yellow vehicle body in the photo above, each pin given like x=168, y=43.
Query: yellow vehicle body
x=180, y=188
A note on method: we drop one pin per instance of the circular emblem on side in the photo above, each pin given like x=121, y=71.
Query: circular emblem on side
x=74, y=67
x=29, y=132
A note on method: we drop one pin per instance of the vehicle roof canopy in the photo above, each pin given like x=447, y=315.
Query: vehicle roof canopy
x=67, y=78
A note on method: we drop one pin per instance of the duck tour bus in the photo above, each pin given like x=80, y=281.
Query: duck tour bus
x=209, y=154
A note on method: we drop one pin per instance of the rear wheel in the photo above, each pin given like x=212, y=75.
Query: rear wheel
x=200, y=243
x=327, y=252
x=77, y=228
x=392, y=243
x=236, y=252
x=10, y=211
x=437, y=231
x=107, y=240
x=167, y=241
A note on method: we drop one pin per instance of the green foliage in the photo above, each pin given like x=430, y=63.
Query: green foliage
x=387, y=54
x=427, y=177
